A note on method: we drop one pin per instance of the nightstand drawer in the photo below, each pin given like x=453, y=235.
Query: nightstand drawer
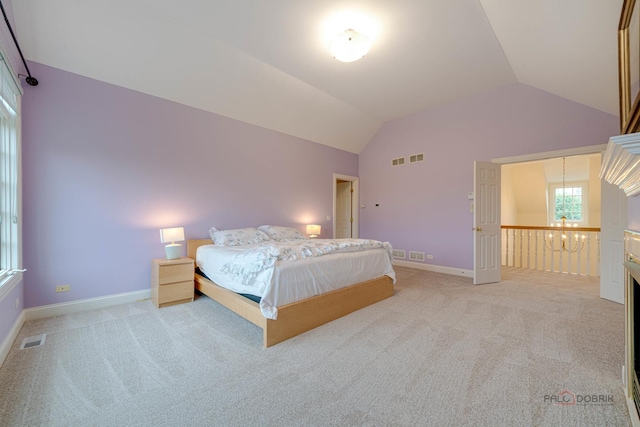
x=172, y=273
x=176, y=293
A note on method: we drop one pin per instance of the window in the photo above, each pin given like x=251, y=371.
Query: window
x=572, y=201
x=9, y=171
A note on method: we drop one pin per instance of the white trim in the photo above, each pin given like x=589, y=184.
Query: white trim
x=52, y=310
x=435, y=268
x=590, y=149
x=8, y=284
x=5, y=347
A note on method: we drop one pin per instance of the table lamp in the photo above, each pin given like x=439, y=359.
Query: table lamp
x=173, y=235
x=313, y=230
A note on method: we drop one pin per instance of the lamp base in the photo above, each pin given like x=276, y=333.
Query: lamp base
x=173, y=251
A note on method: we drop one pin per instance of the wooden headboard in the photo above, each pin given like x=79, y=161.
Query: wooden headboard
x=193, y=245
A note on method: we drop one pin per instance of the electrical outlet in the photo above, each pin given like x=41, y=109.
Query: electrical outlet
x=63, y=288
x=429, y=256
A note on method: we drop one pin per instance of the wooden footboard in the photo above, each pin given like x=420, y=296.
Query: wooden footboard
x=299, y=317
x=302, y=316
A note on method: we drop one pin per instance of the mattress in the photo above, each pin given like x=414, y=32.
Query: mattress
x=282, y=273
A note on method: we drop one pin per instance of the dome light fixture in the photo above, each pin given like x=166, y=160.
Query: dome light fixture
x=350, y=46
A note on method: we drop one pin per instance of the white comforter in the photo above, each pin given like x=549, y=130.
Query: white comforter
x=287, y=271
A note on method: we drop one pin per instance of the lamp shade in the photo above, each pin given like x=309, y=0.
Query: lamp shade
x=313, y=230
x=170, y=235
x=350, y=46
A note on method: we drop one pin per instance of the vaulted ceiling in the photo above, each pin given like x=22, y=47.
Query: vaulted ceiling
x=266, y=62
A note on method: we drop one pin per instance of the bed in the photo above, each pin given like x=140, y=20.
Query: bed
x=299, y=290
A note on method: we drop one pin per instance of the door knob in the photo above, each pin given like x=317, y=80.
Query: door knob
x=477, y=229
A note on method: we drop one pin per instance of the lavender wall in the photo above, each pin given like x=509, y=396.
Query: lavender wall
x=424, y=206
x=106, y=167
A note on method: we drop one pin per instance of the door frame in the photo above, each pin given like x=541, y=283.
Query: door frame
x=590, y=149
x=355, y=202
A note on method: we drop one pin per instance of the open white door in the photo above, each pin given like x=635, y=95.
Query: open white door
x=486, y=223
x=612, y=225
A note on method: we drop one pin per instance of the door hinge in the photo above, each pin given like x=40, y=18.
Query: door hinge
x=350, y=219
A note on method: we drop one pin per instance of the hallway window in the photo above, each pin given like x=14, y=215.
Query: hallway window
x=571, y=201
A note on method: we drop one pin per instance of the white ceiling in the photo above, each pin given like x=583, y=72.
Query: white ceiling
x=266, y=62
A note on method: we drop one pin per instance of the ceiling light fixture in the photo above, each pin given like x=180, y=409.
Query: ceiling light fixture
x=350, y=46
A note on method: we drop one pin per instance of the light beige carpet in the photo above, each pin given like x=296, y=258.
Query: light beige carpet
x=440, y=352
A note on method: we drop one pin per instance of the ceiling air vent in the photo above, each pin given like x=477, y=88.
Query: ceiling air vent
x=397, y=162
x=416, y=158
x=416, y=256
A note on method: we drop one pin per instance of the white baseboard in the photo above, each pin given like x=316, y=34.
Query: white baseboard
x=52, y=310
x=436, y=268
x=9, y=339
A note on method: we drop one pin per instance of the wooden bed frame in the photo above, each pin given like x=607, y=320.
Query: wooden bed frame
x=299, y=317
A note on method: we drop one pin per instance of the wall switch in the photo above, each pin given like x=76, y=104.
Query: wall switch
x=470, y=196
x=17, y=302
x=63, y=288
x=363, y=206
x=328, y=217
x=471, y=207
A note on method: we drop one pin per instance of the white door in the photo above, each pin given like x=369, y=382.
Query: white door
x=486, y=223
x=612, y=225
x=343, y=210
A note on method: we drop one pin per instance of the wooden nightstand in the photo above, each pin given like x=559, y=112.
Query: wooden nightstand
x=171, y=281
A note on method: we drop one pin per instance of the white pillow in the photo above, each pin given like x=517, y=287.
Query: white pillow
x=237, y=237
x=277, y=232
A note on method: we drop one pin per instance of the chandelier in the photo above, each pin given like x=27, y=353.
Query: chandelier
x=565, y=244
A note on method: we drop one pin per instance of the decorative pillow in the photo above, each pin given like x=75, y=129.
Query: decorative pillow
x=277, y=232
x=237, y=237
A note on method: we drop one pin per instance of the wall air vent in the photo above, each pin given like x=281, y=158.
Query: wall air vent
x=397, y=162
x=416, y=158
x=34, y=341
x=399, y=254
x=416, y=256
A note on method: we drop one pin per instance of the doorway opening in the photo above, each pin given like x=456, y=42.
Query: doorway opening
x=345, y=206
x=613, y=221
x=551, y=212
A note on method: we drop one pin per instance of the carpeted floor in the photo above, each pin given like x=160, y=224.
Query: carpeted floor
x=440, y=352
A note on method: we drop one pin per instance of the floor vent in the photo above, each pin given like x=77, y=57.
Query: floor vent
x=416, y=158
x=416, y=256
x=398, y=253
x=397, y=162
x=34, y=341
